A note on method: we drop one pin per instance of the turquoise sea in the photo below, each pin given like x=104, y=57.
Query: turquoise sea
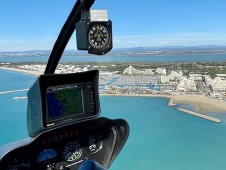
x=161, y=137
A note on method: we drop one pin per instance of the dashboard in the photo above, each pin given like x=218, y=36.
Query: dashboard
x=100, y=139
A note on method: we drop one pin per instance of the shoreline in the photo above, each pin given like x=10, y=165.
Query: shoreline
x=207, y=105
x=30, y=72
x=201, y=103
x=138, y=95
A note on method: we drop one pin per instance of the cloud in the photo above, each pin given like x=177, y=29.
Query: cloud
x=170, y=39
x=165, y=39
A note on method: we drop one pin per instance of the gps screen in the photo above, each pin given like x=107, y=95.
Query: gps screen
x=63, y=102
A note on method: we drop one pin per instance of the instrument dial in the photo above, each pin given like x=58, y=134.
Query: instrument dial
x=94, y=144
x=72, y=151
x=99, y=37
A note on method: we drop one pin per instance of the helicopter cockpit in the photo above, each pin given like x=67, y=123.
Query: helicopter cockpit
x=63, y=110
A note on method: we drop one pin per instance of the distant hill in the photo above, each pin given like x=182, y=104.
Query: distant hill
x=171, y=50
x=166, y=50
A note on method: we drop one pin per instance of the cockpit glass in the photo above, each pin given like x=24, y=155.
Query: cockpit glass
x=166, y=75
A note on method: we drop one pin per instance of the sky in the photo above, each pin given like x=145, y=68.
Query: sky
x=35, y=25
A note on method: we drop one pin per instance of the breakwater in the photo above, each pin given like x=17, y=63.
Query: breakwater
x=200, y=115
x=13, y=91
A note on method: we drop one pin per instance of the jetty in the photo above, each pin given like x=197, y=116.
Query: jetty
x=13, y=91
x=18, y=98
x=200, y=115
x=170, y=103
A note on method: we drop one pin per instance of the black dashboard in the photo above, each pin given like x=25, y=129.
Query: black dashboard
x=100, y=139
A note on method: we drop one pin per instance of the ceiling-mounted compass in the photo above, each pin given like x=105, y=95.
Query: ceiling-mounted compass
x=100, y=38
x=94, y=32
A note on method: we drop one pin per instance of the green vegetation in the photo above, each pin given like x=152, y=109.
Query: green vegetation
x=210, y=68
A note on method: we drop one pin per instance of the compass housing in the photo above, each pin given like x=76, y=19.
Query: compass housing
x=94, y=36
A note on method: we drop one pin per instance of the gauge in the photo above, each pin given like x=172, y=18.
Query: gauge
x=46, y=155
x=100, y=38
x=20, y=164
x=72, y=151
x=94, y=144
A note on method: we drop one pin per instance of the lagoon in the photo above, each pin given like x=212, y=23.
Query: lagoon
x=132, y=58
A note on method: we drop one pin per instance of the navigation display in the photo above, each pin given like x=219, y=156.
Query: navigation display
x=63, y=102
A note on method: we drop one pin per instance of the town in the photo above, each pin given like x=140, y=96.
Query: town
x=150, y=79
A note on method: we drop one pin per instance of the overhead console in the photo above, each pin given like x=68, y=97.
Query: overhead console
x=61, y=99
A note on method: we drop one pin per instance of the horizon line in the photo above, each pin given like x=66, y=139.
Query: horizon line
x=116, y=48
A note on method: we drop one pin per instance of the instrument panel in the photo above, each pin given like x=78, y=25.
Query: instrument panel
x=67, y=147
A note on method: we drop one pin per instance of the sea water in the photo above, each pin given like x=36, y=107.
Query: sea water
x=161, y=137
x=133, y=58
x=13, y=112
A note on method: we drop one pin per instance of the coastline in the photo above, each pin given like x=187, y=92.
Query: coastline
x=201, y=103
x=138, y=95
x=30, y=72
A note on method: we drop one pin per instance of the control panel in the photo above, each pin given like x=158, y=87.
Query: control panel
x=67, y=147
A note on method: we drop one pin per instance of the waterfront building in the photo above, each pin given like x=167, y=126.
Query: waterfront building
x=148, y=72
x=132, y=71
x=161, y=71
x=187, y=85
x=164, y=79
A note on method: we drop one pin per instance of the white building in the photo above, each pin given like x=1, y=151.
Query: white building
x=196, y=76
x=148, y=72
x=161, y=71
x=164, y=79
x=173, y=75
x=132, y=71
x=217, y=84
x=187, y=85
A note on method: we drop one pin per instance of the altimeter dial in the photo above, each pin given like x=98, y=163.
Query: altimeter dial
x=72, y=151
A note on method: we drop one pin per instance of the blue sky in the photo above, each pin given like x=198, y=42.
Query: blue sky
x=34, y=25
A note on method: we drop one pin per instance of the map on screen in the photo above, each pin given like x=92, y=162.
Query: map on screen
x=64, y=103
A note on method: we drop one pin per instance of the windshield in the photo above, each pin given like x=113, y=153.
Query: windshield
x=166, y=75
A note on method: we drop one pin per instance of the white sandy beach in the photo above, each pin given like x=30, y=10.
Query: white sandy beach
x=202, y=103
x=34, y=73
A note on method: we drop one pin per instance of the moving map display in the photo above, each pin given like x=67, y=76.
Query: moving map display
x=63, y=102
